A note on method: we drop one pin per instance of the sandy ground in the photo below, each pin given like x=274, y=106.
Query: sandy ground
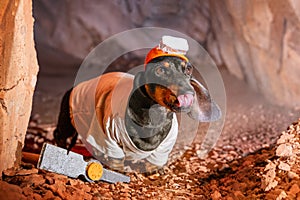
x=230, y=171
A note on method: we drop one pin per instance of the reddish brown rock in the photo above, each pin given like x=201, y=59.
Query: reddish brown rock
x=10, y=192
x=259, y=43
x=18, y=70
x=293, y=191
x=216, y=195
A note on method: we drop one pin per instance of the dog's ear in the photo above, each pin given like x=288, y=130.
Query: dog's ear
x=204, y=109
x=139, y=80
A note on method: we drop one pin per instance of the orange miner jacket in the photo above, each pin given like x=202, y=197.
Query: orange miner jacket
x=98, y=107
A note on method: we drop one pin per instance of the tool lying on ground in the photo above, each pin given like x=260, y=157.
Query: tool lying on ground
x=58, y=160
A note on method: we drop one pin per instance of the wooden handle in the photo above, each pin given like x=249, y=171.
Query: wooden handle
x=32, y=158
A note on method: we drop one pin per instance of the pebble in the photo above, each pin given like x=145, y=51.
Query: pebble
x=238, y=194
x=203, y=169
x=270, y=166
x=285, y=137
x=37, y=196
x=228, y=148
x=294, y=190
x=40, y=140
x=269, y=181
x=9, y=172
x=27, y=191
x=281, y=196
x=284, y=150
x=216, y=195
x=24, y=172
x=73, y=182
x=36, y=180
x=284, y=166
x=48, y=195
x=293, y=175
x=10, y=191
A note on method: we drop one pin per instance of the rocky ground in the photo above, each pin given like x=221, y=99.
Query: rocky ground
x=253, y=159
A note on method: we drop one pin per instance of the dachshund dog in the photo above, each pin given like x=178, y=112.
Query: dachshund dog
x=134, y=115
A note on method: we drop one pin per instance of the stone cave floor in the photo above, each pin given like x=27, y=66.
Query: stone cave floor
x=256, y=157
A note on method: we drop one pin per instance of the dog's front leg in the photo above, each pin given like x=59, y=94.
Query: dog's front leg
x=116, y=164
x=152, y=169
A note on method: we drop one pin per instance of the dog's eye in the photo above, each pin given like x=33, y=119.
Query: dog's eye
x=166, y=64
x=160, y=70
x=188, y=69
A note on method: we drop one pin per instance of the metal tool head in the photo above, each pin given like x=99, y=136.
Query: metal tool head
x=58, y=160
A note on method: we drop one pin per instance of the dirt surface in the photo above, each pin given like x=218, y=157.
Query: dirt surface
x=237, y=168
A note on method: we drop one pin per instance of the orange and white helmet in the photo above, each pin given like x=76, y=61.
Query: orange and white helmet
x=169, y=46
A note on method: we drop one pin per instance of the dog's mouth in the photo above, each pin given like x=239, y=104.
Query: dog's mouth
x=185, y=100
x=168, y=98
x=182, y=103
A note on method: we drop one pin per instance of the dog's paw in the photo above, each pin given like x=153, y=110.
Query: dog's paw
x=150, y=169
x=115, y=164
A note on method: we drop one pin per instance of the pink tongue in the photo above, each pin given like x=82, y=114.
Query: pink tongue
x=185, y=100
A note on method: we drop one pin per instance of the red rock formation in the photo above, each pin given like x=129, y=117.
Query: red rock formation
x=259, y=42
x=18, y=70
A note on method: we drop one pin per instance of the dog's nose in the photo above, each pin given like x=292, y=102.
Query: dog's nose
x=182, y=88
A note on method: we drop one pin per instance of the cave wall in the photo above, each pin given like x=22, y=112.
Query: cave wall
x=257, y=41
x=74, y=28
x=18, y=70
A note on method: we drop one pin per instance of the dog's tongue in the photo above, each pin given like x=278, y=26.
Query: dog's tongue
x=185, y=100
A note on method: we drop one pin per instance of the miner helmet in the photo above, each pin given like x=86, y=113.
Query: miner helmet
x=169, y=46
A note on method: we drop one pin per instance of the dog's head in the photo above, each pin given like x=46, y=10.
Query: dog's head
x=168, y=81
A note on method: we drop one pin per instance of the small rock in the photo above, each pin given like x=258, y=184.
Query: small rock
x=239, y=194
x=294, y=190
x=112, y=187
x=24, y=172
x=284, y=150
x=270, y=166
x=35, y=146
x=48, y=195
x=9, y=172
x=84, y=187
x=284, y=138
x=49, y=180
x=27, y=191
x=87, y=196
x=37, y=196
x=282, y=195
x=228, y=148
x=40, y=140
x=27, y=165
x=216, y=195
x=269, y=182
x=61, y=191
x=154, y=177
x=36, y=179
x=203, y=169
x=73, y=182
x=284, y=166
x=293, y=175
x=247, y=163
x=10, y=191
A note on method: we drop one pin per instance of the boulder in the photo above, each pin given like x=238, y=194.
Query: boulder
x=18, y=72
